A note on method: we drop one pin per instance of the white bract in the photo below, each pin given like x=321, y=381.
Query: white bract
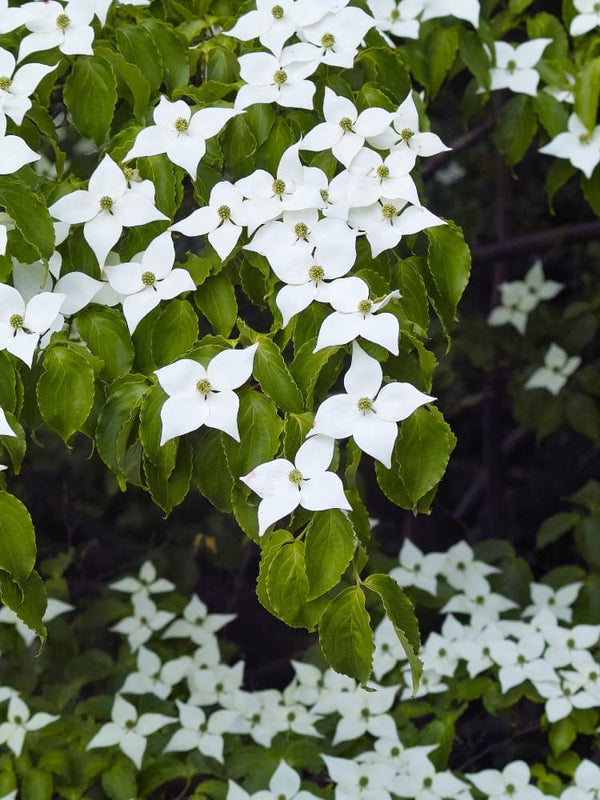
x=146, y=582
x=107, y=207
x=578, y=145
x=11, y=18
x=389, y=219
x=512, y=783
x=279, y=79
x=355, y=315
x=587, y=19
x=145, y=621
x=401, y=19
x=204, y=395
x=514, y=66
x=16, y=87
x=338, y=35
x=148, y=279
x=345, y=130
x=404, y=132
x=284, y=486
x=273, y=23
x=197, y=732
x=180, y=134
x=519, y=298
x=558, y=367
x=14, y=151
x=417, y=568
x=129, y=731
x=19, y=723
x=462, y=9
x=368, y=412
x=53, y=25
x=197, y=624
x=21, y=324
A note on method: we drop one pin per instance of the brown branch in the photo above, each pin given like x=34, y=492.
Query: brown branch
x=532, y=242
x=470, y=137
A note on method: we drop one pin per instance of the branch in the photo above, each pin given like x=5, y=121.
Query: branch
x=466, y=140
x=532, y=242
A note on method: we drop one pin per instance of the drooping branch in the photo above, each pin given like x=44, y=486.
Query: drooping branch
x=469, y=138
x=532, y=242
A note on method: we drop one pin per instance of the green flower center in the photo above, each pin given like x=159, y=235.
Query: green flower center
x=385, y=648
x=16, y=322
x=407, y=134
x=395, y=752
x=280, y=77
x=346, y=124
x=365, y=404
x=148, y=278
x=316, y=273
x=461, y=566
x=129, y=173
x=203, y=386
x=327, y=40
x=63, y=22
x=255, y=718
x=5, y=82
x=181, y=125
x=295, y=476
x=510, y=789
x=219, y=687
x=571, y=644
x=363, y=781
x=130, y=724
x=301, y=230
x=365, y=306
x=278, y=186
x=585, y=138
x=480, y=599
x=224, y=212
x=383, y=171
x=324, y=195
x=291, y=716
x=593, y=677
x=18, y=720
x=106, y=203
x=365, y=713
x=277, y=12
x=427, y=782
x=511, y=66
x=486, y=651
x=395, y=15
x=389, y=211
x=442, y=652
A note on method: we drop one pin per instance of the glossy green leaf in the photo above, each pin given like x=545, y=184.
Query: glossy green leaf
x=330, y=543
x=105, y=332
x=173, y=51
x=210, y=470
x=516, y=127
x=150, y=431
x=260, y=428
x=115, y=425
x=90, y=95
x=27, y=599
x=216, y=300
x=137, y=46
x=29, y=212
x=275, y=379
x=287, y=587
x=449, y=267
x=587, y=91
x=553, y=528
x=17, y=538
x=345, y=634
x=175, y=332
x=169, y=491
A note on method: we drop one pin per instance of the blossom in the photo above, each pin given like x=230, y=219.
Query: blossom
x=520, y=297
x=197, y=624
x=179, y=133
x=15, y=87
x=283, y=485
x=53, y=25
x=204, y=395
x=587, y=780
x=338, y=35
x=368, y=412
x=462, y=9
x=577, y=144
x=363, y=712
x=284, y=784
x=153, y=677
x=356, y=781
x=512, y=783
x=389, y=219
x=355, y=315
x=587, y=19
x=20, y=722
x=14, y=151
x=148, y=279
x=345, y=130
x=107, y=206
x=514, y=66
x=272, y=24
x=278, y=79
x=128, y=731
x=145, y=583
x=143, y=623
x=404, y=133
x=557, y=601
x=196, y=732
x=22, y=324
x=398, y=18
x=557, y=369
x=11, y=18
x=417, y=568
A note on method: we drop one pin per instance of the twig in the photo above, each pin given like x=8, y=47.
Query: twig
x=466, y=140
x=532, y=242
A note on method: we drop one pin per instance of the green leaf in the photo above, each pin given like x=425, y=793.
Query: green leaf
x=295, y=430
x=587, y=541
x=173, y=51
x=559, y=172
x=105, y=333
x=516, y=127
x=37, y=784
x=552, y=114
x=587, y=90
x=29, y=212
x=287, y=587
x=137, y=46
x=306, y=367
x=449, y=267
x=90, y=95
x=27, y=599
x=260, y=428
x=441, y=46
x=583, y=415
x=175, y=332
x=131, y=82
x=15, y=446
x=17, y=538
x=562, y=735
x=210, y=471
x=553, y=528
x=65, y=390
x=275, y=379
x=118, y=781
x=150, y=430
x=419, y=459
x=216, y=300
x=401, y=614
x=408, y=278
x=330, y=543
x=475, y=56
x=591, y=190
x=239, y=146
x=345, y=635
x=169, y=491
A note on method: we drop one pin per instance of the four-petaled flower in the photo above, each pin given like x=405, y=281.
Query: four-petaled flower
x=557, y=369
x=577, y=144
x=19, y=723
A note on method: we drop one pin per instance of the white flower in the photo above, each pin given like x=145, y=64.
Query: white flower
x=215, y=685
x=345, y=130
x=14, y=151
x=371, y=178
x=557, y=601
x=363, y=712
x=144, y=622
x=398, y=18
x=520, y=297
x=389, y=219
x=21, y=324
x=557, y=369
x=197, y=624
x=368, y=412
x=587, y=19
x=154, y=677
x=257, y=715
x=284, y=785
x=281, y=80
x=20, y=722
x=148, y=279
x=514, y=66
x=222, y=219
x=404, y=133
x=128, y=731
x=54, y=608
x=283, y=485
x=521, y=661
x=462, y=9
x=204, y=395
x=199, y=733
x=338, y=35
x=461, y=566
x=180, y=134
x=360, y=781
x=417, y=568
x=388, y=650
x=577, y=144
x=477, y=600
x=11, y=18
x=273, y=24
x=587, y=780
x=145, y=583
x=53, y=25
x=355, y=315
x=16, y=87
x=510, y=784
